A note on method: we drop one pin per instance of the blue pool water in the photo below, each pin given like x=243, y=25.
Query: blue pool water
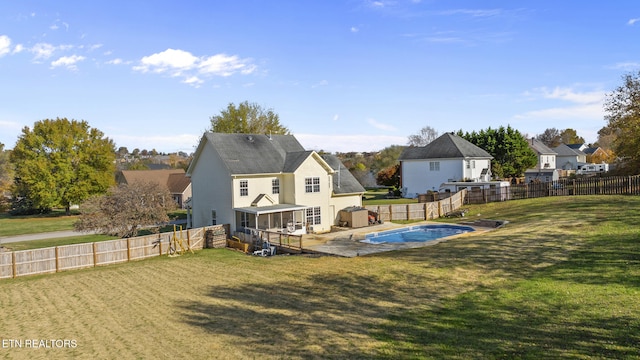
x=418, y=233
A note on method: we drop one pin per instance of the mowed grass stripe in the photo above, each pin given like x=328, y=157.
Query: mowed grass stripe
x=527, y=290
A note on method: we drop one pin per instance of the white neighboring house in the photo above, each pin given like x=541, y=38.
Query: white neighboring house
x=545, y=170
x=568, y=158
x=268, y=182
x=446, y=159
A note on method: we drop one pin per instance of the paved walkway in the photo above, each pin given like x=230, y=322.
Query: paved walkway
x=40, y=236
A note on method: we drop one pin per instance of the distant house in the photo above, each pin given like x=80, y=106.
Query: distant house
x=568, y=158
x=545, y=169
x=268, y=182
x=175, y=180
x=446, y=159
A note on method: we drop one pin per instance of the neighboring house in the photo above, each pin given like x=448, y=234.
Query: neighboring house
x=545, y=170
x=446, y=159
x=175, y=180
x=268, y=182
x=568, y=158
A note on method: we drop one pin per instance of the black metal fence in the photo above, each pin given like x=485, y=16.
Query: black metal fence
x=615, y=185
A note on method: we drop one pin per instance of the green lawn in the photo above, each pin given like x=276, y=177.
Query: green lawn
x=31, y=224
x=561, y=280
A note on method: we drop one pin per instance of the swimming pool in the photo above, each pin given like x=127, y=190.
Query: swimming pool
x=418, y=233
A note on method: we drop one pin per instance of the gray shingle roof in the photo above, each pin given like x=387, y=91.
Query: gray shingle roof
x=447, y=146
x=565, y=150
x=539, y=147
x=256, y=154
x=343, y=181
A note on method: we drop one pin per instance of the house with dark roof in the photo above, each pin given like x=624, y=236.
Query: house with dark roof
x=545, y=169
x=175, y=180
x=569, y=158
x=446, y=159
x=268, y=182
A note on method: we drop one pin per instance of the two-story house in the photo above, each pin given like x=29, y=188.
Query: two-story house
x=545, y=169
x=268, y=182
x=568, y=158
x=449, y=158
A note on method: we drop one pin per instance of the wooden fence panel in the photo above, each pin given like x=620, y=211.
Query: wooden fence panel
x=6, y=265
x=399, y=212
x=143, y=247
x=36, y=261
x=111, y=252
x=416, y=211
x=75, y=256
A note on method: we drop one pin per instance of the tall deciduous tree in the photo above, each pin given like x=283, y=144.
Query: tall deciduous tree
x=62, y=162
x=125, y=208
x=6, y=176
x=247, y=118
x=426, y=135
x=622, y=112
x=511, y=153
x=550, y=137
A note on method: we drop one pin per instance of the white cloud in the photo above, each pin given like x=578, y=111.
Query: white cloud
x=180, y=63
x=17, y=49
x=5, y=45
x=53, y=27
x=568, y=94
x=354, y=29
x=43, y=50
x=473, y=12
x=632, y=22
x=336, y=117
x=68, y=61
x=321, y=83
x=193, y=81
x=626, y=65
x=116, y=61
x=170, y=60
x=224, y=65
x=381, y=126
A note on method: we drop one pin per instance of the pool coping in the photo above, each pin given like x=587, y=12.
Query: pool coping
x=346, y=242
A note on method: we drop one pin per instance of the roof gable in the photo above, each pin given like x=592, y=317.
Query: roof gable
x=173, y=179
x=540, y=148
x=565, y=150
x=343, y=181
x=447, y=146
x=250, y=153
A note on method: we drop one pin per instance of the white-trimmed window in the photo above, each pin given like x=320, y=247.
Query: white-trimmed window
x=312, y=184
x=275, y=186
x=313, y=216
x=244, y=187
x=434, y=165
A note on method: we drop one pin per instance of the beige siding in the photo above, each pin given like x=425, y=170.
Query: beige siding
x=309, y=169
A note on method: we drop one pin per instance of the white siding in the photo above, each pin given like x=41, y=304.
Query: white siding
x=418, y=178
x=212, y=189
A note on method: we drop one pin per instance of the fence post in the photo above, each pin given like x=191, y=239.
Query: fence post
x=128, y=249
x=160, y=245
x=189, y=240
x=15, y=265
x=57, y=265
x=95, y=254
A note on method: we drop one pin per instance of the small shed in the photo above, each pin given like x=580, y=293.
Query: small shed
x=354, y=216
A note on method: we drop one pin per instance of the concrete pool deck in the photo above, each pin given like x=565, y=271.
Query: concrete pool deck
x=346, y=242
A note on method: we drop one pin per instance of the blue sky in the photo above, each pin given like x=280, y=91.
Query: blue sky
x=351, y=75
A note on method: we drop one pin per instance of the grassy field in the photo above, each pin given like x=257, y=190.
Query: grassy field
x=561, y=280
x=20, y=225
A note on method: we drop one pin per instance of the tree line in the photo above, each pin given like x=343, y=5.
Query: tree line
x=61, y=162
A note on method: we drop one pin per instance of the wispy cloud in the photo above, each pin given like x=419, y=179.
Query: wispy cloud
x=381, y=126
x=180, y=63
x=477, y=13
x=319, y=84
x=585, y=105
x=5, y=45
x=631, y=65
x=43, y=51
x=68, y=61
x=632, y=22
